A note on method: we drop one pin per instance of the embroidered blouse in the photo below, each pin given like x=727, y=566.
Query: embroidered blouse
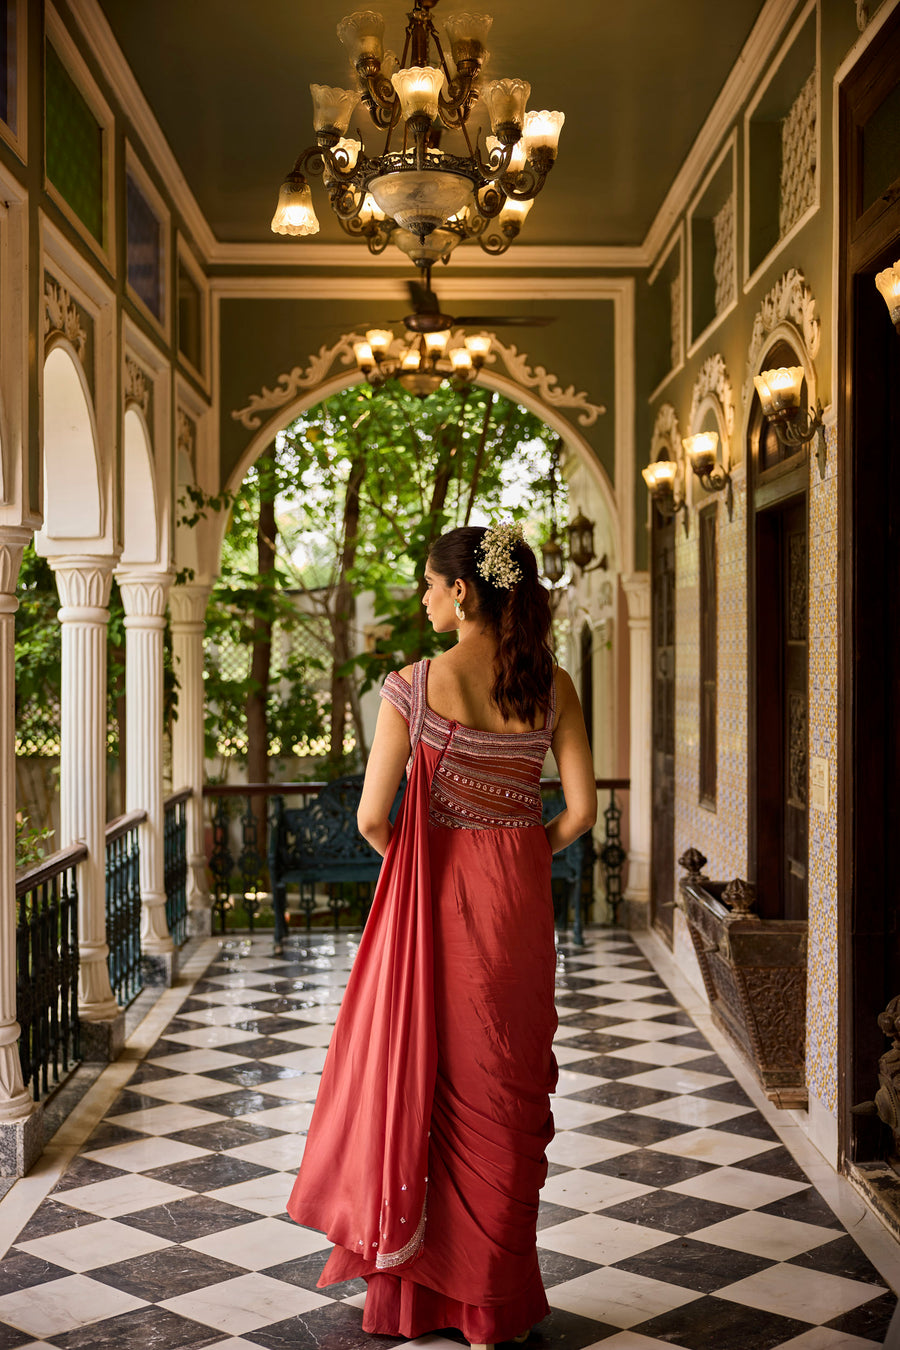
x=485, y=780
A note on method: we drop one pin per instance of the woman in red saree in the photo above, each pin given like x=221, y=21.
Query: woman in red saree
x=426, y=1151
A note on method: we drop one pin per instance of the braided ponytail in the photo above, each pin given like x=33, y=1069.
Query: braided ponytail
x=518, y=614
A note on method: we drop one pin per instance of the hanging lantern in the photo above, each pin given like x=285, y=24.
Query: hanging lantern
x=581, y=540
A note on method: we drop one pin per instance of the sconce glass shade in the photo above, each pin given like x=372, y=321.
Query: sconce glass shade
x=411, y=359
x=888, y=283
x=542, y=131
x=365, y=357
x=553, y=561
x=701, y=450
x=433, y=248
x=514, y=211
x=370, y=210
x=362, y=34
x=779, y=390
x=478, y=346
x=332, y=107
x=295, y=213
x=468, y=34
x=660, y=476
x=418, y=89
x=351, y=149
x=581, y=540
x=517, y=158
x=420, y=384
x=505, y=101
x=460, y=360
x=435, y=343
x=421, y=200
x=379, y=340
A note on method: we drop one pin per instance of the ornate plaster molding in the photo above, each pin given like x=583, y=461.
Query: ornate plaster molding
x=666, y=435
x=713, y=380
x=61, y=315
x=300, y=379
x=137, y=387
x=186, y=436
x=789, y=301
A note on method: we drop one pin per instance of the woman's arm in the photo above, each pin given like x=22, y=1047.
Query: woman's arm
x=387, y=760
x=576, y=770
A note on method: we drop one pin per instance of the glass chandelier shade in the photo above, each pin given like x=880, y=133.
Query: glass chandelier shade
x=423, y=364
x=888, y=283
x=701, y=450
x=401, y=184
x=779, y=390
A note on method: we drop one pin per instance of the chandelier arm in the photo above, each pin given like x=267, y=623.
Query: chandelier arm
x=491, y=173
x=494, y=244
x=526, y=184
x=491, y=201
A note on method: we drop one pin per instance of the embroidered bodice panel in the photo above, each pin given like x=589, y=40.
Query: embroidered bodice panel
x=484, y=780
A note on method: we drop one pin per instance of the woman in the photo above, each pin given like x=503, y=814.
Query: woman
x=425, y=1154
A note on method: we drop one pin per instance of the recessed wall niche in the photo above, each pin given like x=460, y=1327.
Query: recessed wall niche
x=711, y=245
x=665, y=328
x=781, y=140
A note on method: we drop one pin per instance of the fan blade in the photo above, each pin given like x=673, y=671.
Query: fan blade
x=504, y=320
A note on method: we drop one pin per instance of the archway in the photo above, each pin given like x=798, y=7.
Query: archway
x=73, y=506
x=139, y=505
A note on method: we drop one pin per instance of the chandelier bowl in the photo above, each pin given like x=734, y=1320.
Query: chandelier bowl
x=420, y=200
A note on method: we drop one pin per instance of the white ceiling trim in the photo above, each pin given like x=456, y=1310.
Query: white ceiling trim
x=362, y=288
x=542, y=257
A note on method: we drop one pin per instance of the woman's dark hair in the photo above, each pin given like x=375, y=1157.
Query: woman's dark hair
x=519, y=616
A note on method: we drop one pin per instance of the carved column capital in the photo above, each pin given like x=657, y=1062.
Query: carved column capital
x=144, y=596
x=83, y=582
x=187, y=606
x=637, y=594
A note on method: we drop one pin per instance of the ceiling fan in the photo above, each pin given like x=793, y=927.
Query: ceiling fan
x=427, y=317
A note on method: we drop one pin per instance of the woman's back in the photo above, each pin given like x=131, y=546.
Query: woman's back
x=459, y=689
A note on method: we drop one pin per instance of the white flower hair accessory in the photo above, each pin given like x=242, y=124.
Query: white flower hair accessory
x=495, y=561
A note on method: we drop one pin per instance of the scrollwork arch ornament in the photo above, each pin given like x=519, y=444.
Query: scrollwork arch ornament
x=713, y=389
x=666, y=435
x=787, y=315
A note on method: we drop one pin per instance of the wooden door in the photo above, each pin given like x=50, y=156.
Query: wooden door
x=662, y=870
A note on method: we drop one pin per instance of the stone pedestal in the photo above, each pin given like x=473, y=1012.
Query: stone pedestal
x=83, y=583
x=637, y=892
x=187, y=607
x=144, y=596
x=21, y=1128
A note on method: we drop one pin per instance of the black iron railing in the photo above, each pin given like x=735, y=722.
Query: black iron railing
x=175, y=866
x=123, y=906
x=47, y=969
x=239, y=876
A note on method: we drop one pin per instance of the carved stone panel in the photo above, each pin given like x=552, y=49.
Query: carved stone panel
x=798, y=158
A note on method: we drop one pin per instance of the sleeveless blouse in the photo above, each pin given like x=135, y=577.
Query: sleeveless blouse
x=485, y=780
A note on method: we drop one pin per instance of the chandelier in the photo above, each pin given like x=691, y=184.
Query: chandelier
x=414, y=194
x=424, y=363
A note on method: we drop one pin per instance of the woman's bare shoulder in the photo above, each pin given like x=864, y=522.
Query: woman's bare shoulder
x=566, y=693
x=406, y=674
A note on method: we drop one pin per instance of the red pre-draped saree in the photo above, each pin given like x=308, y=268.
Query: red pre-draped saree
x=425, y=1154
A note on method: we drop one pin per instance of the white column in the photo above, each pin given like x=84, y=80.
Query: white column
x=20, y=1119
x=83, y=584
x=187, y=608
x=637, y=892
x=144, y=595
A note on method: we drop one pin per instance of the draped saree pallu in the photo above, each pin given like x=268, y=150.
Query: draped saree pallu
x=425, y=1153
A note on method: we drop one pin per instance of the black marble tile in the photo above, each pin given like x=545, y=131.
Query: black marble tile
x=551, y=1215
x=227, y=1134
x=268, y=1024
x=567, y=1001
x=84, y=1172
x=752, y=1124
x=305, y=1272
x=184, y=1220
x=556, y=1268
x=630, y=1129
x=709, y=1063
x=623, y=1096
x=568, y=1331
x=274, y=1006
x=130, y=1101
x=145, y=1327
x=774, y=1162
x=249, y=1074
x=149, y=1073
x=21, y=1270
x=841, y=1257
x=730, y=1092
x=679, y=1018
x=602, y=1065
x=264, y=1047
x=554, y=1169
x=243, y=1101
x=163, y=1047
x=651, y=1168
x=592, y=1021
x=715, y=1324
x=52, y=1217
x=10, y=1337
x=870, y=1320
x=671, y=1211
x=107, y=1134
x=807, y=1207
x=333, y=1327
x=209, y=1173
x=696, y=1265
x=166, y=1273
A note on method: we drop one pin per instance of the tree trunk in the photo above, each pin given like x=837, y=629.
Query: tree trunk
x=344, y=612
x=261, y=644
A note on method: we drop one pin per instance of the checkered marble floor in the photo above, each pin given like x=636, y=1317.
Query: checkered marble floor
x=672, y=1216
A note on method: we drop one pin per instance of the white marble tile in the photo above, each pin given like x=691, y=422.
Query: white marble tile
x=236, y=997
x=571, y=1054
x=430, y=1342
x=211, y=1037
x=62, y=1305
x=166, y=1119
x=295, y=1117
x=593, y=1237
x=570, y=1082
x=611, y=973
x=676, y=1079
x=659, y=1052
x=690, y=1110
x=630, y=1008
x=301, y=1089
x=793, y=1291
x=567, y=1031
x=314, y=1035
x=822, y=1338
x=641, y=1030
x=714, y=1146
x=246, y=963
x=181, y=1087
x=766, y=1235
x=320, y=1012
x=239, y=981
x=93, y=1245
x=570, y=1149
x=245, y=1303
x=222, y=1014
x=623, y=1340
x=122, y=1195
x=569, y=1115
x=618, y=1297
x=578, y=1189
x=197, y=1061
x=311, y=1060
x=265, y=1242
x=738, y=1186
x=262, y=1195
x=140, y=1155
x=283, y=1152
x=619, y=989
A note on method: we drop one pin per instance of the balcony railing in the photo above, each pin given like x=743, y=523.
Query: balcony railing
x=175, y=865
x=47, y=969
x=237, y=848
x=123, y=906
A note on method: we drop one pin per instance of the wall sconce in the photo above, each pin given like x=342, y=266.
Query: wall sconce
x=701, y=453
x=581, y=544
x=888, y=283
x=779, y=395
x=661, y=477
